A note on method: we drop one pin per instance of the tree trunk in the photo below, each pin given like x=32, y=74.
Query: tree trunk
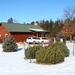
x=70, y=38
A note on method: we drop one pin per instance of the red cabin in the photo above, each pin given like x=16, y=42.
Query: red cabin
x=20, y=32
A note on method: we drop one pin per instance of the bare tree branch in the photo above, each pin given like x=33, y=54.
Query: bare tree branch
x=69, y=13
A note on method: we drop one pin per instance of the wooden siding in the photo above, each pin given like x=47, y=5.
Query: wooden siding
x=3, y=31
x=21, y=37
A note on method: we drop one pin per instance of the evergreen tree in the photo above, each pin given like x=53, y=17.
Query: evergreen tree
x=57, y=27
x=53, y=27
x=9, y=44
x=51, y=24
x=42, y=24
x=10, y=20
x=32, y=22
x=47, y=25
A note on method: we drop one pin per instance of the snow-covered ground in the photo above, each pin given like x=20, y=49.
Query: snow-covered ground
x=14, y=64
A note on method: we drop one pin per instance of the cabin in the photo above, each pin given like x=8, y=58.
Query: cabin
x=20, y=32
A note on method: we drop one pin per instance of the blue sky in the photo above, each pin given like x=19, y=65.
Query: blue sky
x=33, y=10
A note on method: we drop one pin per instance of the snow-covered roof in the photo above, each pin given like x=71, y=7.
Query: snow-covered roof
x=37, y=30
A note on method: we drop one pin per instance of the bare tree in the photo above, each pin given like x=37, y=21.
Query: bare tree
x=15, y=21
x=69, y=15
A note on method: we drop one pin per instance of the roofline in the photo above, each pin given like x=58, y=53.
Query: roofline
x=30, y=29
x=15, y=23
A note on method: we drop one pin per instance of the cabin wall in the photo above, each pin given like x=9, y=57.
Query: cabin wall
x=3, y=32
x=21, y=37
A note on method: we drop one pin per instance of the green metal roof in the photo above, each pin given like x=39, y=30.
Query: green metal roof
x=15, y=27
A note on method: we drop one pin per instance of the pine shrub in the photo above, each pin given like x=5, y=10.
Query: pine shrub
x=31, y=52
x=52, y=54
x=9, y=44
x=48, y=55
x=40, y=55
x=59, y=54
x=63, y=47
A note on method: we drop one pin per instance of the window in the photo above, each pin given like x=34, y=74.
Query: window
x=0, y=35
x=34, y=38
x=29, y=38
x=44, y=38
x=6, y=35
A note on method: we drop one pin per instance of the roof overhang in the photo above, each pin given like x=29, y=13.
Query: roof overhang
x=37, y=30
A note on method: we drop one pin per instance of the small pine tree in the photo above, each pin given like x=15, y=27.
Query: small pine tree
x=9, y=44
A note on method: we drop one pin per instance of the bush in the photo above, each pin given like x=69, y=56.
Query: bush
x=50, y=56
x=63, y=47
x=40, y=56
x=9, y=44
x=30, y=52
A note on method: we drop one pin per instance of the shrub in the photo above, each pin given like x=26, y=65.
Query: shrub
x=40, y=56
x=31, y=51
x=59, y=55
x=50, y=55
x=62, y=47
x=9, y=44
